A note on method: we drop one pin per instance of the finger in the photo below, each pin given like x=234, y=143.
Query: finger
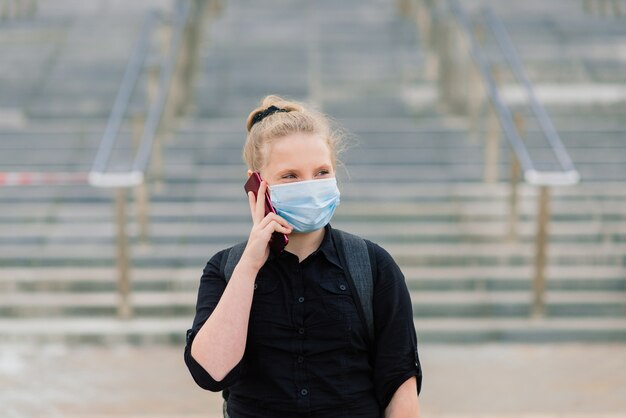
x=282, y=221
x=274, y=226
x=275, y=218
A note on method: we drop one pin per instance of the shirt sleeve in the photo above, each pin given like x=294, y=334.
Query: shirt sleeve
x=395, y=357
x=212, y=285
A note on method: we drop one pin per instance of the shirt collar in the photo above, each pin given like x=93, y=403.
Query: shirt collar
x=327, y=247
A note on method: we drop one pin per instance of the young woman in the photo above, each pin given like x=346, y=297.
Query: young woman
x=283, y=336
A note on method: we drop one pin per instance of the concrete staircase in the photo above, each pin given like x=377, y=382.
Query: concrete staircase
x=413, y=182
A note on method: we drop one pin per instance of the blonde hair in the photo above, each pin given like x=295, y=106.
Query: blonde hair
x=297, y=118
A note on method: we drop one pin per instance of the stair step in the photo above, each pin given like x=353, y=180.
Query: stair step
x=477, y=297
x=95, y=299
x=419, y=298
x=66, y=231
x=225, y=178
x=440, y=330
x=539, y=330
x=515, y=304
x=405, y=254
x=425, y=304
x=467, y=283
x=413, y=274
x=97, y=330
x=353, y=206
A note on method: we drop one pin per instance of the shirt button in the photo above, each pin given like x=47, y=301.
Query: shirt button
x=300, y=359
x=300, y=331
x=300, y=299
x=342, y=287
x=255, y=286
x=304, y=392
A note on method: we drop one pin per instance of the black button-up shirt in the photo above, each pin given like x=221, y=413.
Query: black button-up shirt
x=307, y=351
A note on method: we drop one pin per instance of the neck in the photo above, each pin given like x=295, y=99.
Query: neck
x=303, y=244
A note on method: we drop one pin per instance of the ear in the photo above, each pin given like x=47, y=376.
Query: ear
x=249, y=173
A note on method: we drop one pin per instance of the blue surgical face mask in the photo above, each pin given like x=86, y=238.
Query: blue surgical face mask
x=307, y=205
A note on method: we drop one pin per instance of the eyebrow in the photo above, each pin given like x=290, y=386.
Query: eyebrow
x=285, y=170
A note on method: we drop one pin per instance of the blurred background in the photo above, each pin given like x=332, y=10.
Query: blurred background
x=488, y=156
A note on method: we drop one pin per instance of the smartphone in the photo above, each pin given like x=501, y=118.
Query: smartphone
x=278, y=240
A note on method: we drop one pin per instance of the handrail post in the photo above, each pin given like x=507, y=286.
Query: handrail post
x=469, y=84
x=32, y=8
x=177, y=84
x=21, y=8
x=405, y=7
x=17, y=9
x=157, y=152
x=166, y=34
x=515, y=178
x=193, y=34
x=419, y=11
x=442, y=55
x=124, y=308
x=617, y=8
x=142, y=198
x=476, y=97
x=602, y=7
x=215, y=7
x=447, y=49
x=539, y=282
x=427, y=30
x=461, y=64
x=605, y=7
x=182, y=74
x=492, y=146
x=5, y=12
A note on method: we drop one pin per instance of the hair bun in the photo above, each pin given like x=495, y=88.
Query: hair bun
x=269, y=101
x=278, y=118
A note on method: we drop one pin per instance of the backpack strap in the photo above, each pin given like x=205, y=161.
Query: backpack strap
x=354, y=254
x=230, y=260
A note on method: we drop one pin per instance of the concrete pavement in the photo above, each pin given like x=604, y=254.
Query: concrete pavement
x=460, y=381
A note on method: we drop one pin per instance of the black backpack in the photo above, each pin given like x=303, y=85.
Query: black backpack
x=358, y=260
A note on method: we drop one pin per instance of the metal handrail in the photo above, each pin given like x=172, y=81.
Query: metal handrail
x=122, y=100
x=98, y=176
x=158, y=106
x=511, y=124
x=533, y=176
x=155, y=115
x=570, y=174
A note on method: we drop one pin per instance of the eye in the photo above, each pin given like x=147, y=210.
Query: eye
x=288, y=176
x=323, y=172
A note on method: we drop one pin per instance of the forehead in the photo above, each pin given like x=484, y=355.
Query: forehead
x=298, y=150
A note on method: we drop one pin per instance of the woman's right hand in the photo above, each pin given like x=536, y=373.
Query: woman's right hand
x=257, y=250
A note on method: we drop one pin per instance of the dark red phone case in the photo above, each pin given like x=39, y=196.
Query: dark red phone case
x=278, y=240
